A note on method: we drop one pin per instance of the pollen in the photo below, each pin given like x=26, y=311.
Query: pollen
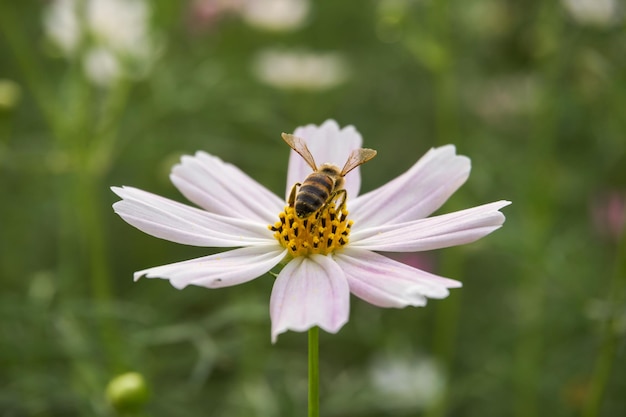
x=324, y=232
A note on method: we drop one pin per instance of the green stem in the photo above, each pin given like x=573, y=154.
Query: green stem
x=446, y=326
x=314, y=372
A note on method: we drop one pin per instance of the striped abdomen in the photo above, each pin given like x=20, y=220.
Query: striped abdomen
x=313, y=193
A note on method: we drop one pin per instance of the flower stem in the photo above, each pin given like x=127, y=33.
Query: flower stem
x=314, y=374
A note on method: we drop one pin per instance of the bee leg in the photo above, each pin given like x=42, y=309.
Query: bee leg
x=334, y=198
x=344, y=197
x=292, y=194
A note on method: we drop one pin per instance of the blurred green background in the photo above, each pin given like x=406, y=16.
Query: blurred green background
x=92, y=96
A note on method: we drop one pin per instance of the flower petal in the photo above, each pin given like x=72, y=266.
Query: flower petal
x=224, y=189
x=387, y=283
x=415, y=194
x=309, y=291
x=451, y=229
x=327, y=143
x=220, y=270
x=176, y=222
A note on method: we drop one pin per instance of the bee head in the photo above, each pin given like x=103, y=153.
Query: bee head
x=303, y=212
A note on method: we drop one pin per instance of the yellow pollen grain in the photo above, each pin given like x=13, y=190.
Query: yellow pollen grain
x=322, y=233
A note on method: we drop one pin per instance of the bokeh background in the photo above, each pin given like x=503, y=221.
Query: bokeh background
x=97, y=93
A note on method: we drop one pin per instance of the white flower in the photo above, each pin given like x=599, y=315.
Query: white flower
x=593, y=12
x=313, y=288
x=300, y=70
x=101, y=66
x=412, y=382
x=120, y=24
x=112, y=37
x=275, y=15
x=62, y=25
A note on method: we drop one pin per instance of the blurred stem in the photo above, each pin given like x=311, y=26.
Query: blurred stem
x=610, y=335
x=314, y=373
x=103, y=150
x=94, y=156
x=91, y=216
x=445, y=87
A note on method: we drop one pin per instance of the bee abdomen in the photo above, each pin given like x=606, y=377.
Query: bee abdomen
x=313, y=194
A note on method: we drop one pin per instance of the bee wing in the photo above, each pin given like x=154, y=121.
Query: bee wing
x=356, y=158
x=298, y=145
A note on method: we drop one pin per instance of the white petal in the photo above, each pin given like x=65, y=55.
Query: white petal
x=415, y=194
x=309, y=291
x=220, y=270
x=327, y=143
x=387, y=283
x=224, y=189
x=176, y=222
x=451, y=229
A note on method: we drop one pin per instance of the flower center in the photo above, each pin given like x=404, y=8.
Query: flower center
x=324, y=232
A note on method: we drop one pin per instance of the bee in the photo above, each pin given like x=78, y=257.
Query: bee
x=325, y=184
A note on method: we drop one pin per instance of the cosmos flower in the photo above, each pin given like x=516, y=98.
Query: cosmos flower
x=322, y=261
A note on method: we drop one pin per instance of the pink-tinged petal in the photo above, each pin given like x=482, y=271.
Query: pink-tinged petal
x=176, y=222
x=224, y=189
x=387, y=283
x=309, y=291
x=415, y=194
x=328, y=144
x=220, y=270
x=437, y=232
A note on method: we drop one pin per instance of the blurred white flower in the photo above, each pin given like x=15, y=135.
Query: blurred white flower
x=593, y=12
x=62, y=25
x=109, y=36
x=408, y=382
x=102, y=66
x=300, y=70
x=121, y=25
x=275, y=15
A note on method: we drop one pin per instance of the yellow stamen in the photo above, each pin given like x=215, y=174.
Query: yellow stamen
x=324, y=232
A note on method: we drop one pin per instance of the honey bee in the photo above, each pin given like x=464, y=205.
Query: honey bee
x=325, y=184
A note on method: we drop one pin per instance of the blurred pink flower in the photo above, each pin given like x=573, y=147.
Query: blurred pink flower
x=313, y=288
x=204, y=14
x=609, y=214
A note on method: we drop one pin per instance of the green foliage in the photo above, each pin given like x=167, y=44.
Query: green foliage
x=533, y=96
